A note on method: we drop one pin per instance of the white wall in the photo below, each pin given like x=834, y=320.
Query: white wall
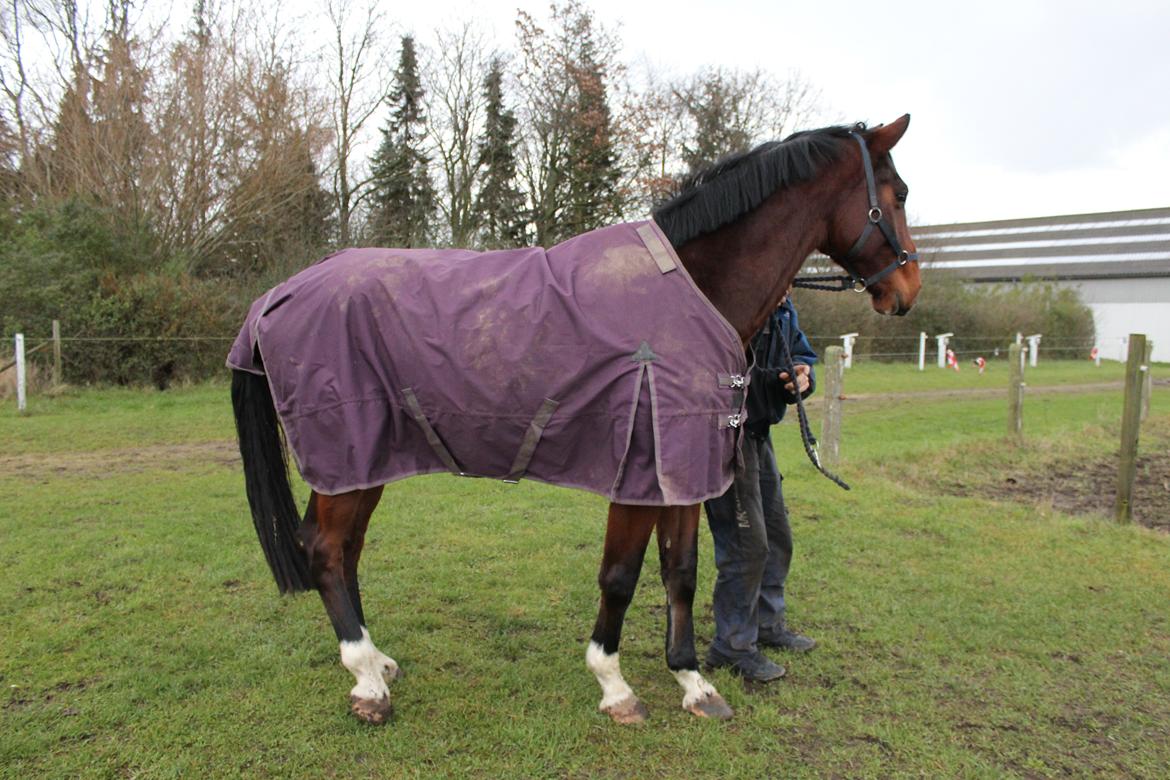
x=1124, y=306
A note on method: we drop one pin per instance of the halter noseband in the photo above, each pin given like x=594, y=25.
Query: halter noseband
x=876, y=218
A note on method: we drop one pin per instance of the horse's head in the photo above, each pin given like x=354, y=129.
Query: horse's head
x=867, y=233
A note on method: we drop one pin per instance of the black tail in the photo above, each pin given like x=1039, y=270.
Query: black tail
x=266, y=480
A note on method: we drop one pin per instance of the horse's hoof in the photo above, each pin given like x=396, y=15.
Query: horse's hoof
x=372, y=711
x=711, y=706
x=630, y=710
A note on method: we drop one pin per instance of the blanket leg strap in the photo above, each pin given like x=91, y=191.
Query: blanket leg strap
x=432, y=438
x=531, y=439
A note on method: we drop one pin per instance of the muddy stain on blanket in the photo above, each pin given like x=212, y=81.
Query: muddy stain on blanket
x=389, y=272
x=619, y=265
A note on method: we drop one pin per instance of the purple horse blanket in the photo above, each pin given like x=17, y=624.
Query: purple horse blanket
x=597, y=364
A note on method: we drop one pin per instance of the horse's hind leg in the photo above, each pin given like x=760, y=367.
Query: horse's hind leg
x=678, y=535
x=626, y=536
x=353, y=554
x=333, y=533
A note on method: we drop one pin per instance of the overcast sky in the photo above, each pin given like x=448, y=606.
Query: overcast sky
x=1020, y=108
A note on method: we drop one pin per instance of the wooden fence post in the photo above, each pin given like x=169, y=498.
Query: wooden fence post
x=56, y=353
x=1147, y=380
x=20, y=374
x=1130, y=423
x=1016, y=390
x=833, y=380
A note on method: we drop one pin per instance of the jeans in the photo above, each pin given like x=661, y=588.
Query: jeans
x=753, y=551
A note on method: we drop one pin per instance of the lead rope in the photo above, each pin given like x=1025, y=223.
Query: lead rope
x=806, y=434
x=831, y=283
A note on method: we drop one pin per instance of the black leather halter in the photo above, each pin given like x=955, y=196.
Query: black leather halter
x=853, y=281
x=876, y=218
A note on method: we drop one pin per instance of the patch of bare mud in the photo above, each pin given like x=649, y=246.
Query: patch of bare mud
x=1090, y=487
x=106, y=463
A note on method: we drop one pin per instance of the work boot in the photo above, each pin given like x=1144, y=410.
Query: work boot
x=754, y=666
x=786, y=640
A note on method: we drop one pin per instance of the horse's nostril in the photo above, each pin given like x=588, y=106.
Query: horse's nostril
x=900, y=306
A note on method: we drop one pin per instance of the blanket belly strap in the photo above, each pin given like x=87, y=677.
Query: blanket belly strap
x=531, y=439
x=432, y=438
x=532, y=436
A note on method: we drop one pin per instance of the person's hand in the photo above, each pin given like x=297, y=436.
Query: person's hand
x=801, y=384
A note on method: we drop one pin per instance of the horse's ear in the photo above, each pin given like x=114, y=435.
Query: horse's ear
x=883, y=137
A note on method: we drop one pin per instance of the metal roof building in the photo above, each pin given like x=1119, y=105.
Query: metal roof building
x=1118, y=261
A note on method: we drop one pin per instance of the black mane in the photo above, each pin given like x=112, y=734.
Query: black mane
x=740, y=182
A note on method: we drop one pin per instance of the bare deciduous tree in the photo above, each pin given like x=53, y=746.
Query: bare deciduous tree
x=359, y=83
x=31, y=96
x=456, y=103
x=273, y=204
x=650, y=131
x=726, y=110
x=194, y=104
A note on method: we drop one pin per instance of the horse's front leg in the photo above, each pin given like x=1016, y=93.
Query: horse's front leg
x=626, y=535
x=678, y=537
x=332, y=533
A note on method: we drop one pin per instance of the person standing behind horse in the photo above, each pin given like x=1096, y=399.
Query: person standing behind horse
x=749, y=523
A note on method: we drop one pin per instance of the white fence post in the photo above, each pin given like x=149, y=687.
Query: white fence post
x=942, y=348
x=1033, y=348
x=847, y=340
x=922, y=350
x=20, y=378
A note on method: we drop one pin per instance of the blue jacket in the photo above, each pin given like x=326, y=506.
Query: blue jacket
x=767, y=398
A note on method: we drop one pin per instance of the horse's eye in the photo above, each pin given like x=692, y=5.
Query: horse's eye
x=901, y=197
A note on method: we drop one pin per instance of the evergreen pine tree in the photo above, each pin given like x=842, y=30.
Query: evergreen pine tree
x=592, y=197
x=499, y=207
x=403, y=195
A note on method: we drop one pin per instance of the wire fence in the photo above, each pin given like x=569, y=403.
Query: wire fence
x=122, y=360
x=161, y=359
x=965, y=347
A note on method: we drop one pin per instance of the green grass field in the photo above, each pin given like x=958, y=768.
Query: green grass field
x=141, y=634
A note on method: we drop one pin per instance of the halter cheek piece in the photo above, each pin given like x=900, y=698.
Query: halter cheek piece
x=855, y=281
x=859, y=284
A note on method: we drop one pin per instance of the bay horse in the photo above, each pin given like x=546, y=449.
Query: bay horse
x=741, y=230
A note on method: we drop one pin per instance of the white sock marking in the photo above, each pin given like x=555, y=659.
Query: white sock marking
x=368, y=665
x=608, y=671
x=694, y=686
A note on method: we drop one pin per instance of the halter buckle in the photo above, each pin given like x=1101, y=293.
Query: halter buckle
x=875, y=214
x=903, y=257
x=859, y=285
